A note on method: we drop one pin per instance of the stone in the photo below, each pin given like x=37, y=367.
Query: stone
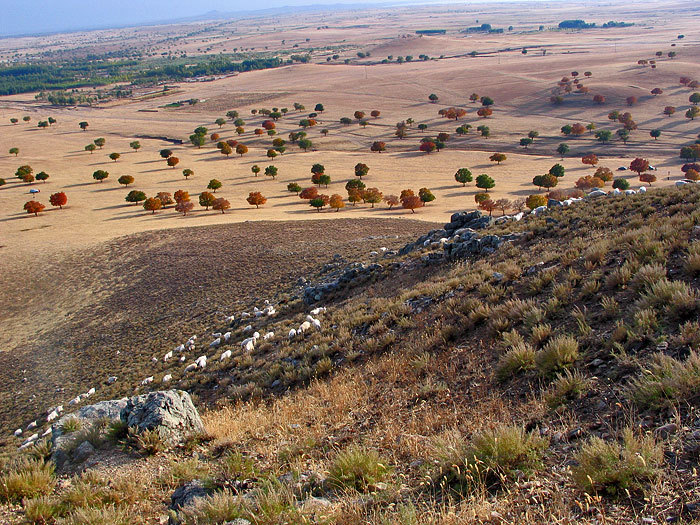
x=238, y=521
x=554, y=203
x=186, y=495
x=597, y=193
x=666, y=430
x=83, y=451
x=170, y=412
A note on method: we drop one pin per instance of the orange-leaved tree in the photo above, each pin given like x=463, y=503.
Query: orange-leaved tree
x=58, y=199
x=255, y=198
x=221, y=205
x=33, y=207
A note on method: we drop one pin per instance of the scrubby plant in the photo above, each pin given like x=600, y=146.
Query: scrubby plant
x=666, y=381
x=519, y=358
x=357, y=469
x=566, y=387
x=559, y=353
x=26, y=479
x=493, y=457
x=613, y=469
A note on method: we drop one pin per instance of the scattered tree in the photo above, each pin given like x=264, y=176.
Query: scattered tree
x=115, y=156
x=588, y=182
x=135, y=196
x=319, y=202
x=255, y=198
x=433, y=98
x=90, y=148
x=535, y=201
x=497, y=158
x=100, y=175
x=562, y=149
x=135, y=145
x=221, y=204
x=305, y=144
x=639, y=165
x=83, y=125
x=181, y=196
x=172, y=161
x=34, y=207
x=336, y=201
x=271, y=171
x=463, y=175
x=100, y=142
x=591, y=159
x=599, y=99
x=206, y=199
x=621, y=184
x=426, y=195
x=125, y=180
x=241, y=149
x=14, y=151
x=391, y=200
x=378, y=146
x=308, y=193
x=293, y=187
x=58, y=199
x=604, y=174
x=485, y=182
x=647, y=177
x=669, y=110
x=412, y=202
x=184, y=207
x=361, y=170
x=557, y=170
x=487, y=205
x=604, y=135
x=693, y=112
x=373, y=196
x=152, y=204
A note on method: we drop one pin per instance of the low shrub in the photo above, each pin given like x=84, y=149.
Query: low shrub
x=357, y=469
x=558, y=354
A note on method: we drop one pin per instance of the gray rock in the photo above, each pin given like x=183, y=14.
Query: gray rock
x=667, y=430
x=238, y=521
x=597, y=193
x=188, y=494
x=170, y=412
x=84, y=451
x=554, y=203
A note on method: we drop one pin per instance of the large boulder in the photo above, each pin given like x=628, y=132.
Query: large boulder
x=171, y=413
x=82, y=422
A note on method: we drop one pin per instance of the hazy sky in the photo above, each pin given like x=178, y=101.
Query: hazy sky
x=40, y=16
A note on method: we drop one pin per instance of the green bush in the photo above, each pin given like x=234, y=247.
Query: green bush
x=518, y=358
x=27, y=479
x=666, y=381
x=567, y=387
x=558, y=354
x=613, y=468
x=357, y=469
x=494, y=456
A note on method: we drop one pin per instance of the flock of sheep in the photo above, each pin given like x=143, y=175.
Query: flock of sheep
x=219, y=339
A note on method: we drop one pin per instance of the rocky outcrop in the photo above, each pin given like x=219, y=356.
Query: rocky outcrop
x=171, y=413
x=352, y=275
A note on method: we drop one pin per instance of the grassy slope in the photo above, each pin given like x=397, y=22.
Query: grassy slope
x=417, y=367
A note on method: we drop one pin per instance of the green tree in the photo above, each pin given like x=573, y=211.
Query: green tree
x=433, y=98
x=100, y=175
x=165, y=153
x=485, y=182
x=293, y=187
x=361, y=170
x=90, y=148
x=604, y=135
x=557, y=170
x=255, y=169
x=114, y=156
x=655, y=133
x=100, y=142
x=83, y=125
x=135, y=145
x=271, y=171
x=220, y=121
x=198, y=140
x=623, y=134
x=214, y=185
x=305, y=144
x=233, y=114
x=187, y=172
x=125, y=180
x=206, y=199
x=463, y=175
x=562, y=150
x=498, y=158
x=319, y=202
x=14, y=151
x=694, y=98
x=426, y=195
x=621, y=184
x=42, y=176
x=525, y=141
x=135, y=196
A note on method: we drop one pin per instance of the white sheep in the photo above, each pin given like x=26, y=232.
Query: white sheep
x=229, y=319
x=154, y=359
x=111, y=379
x=255, y=309
x=643, y=189
x=31, y=425
x=74, y=401
x=216, y=342
x=190, y=367
x=90, y=392
x=245, y=315
x=256, y=335
x=52, y=415
x=248, y=328
x=227, y=336
x=225, y=355
x=318, y=310
x=249, y=346
x=18, y=432
x=167, y=377
x=180, y=348
x=167, y=356
x=47, y=432
x=201, y=361
x=292, y=334
x=316, y=324
x=303, y=327
x=309, y=318
x=216, y=335
x=268, y=335
x=147, y=381
x=182, y=359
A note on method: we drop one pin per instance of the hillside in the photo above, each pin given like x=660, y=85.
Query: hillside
x=551, y=377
